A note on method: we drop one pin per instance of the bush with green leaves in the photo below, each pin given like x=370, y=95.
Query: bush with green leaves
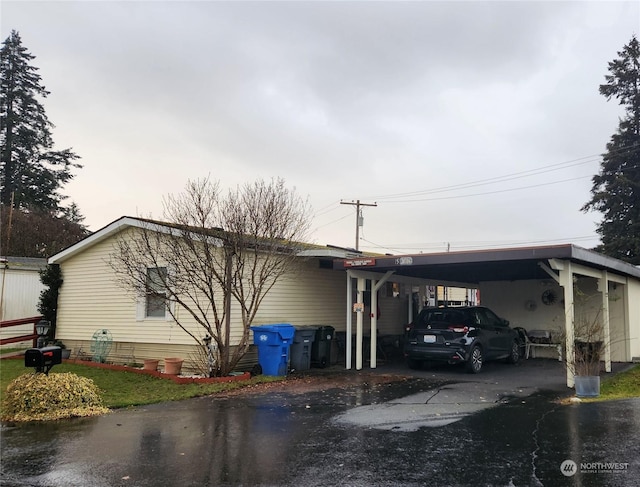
x=41, y=397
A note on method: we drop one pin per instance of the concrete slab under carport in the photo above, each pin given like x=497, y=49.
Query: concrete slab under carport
x=460, y=394
x=557, y=264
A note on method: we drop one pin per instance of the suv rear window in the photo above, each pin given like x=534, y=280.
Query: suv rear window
x=440, y=316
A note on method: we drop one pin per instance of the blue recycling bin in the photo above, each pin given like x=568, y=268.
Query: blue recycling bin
x=273, y=343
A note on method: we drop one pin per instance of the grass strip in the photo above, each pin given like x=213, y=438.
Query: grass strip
x=123, y=389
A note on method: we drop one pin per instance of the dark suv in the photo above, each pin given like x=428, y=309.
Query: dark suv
x=467, y=335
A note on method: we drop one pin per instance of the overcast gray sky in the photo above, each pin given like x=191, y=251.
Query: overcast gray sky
x=470, y=124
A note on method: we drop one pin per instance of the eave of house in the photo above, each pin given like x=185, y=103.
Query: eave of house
x=96, y=237
x=309, y=250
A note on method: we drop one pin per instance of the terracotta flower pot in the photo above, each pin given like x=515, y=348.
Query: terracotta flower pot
x=173, y=365
x=150, y=364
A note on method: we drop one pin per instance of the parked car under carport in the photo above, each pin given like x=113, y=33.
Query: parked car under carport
x=469, y=335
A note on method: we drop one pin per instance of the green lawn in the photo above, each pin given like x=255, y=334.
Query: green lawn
x=122, y=389
x=621, y=386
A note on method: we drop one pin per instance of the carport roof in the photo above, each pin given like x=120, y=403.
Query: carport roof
x=476, y=266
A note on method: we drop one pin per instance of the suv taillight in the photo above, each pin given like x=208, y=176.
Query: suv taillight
x=459, y=328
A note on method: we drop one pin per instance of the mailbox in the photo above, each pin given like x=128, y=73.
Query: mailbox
x=43, y=358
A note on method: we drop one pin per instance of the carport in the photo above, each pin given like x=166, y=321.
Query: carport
x=509, y=279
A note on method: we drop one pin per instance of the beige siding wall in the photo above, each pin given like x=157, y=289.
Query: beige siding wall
x=619, y=332
x=312, y=297
x=520, y=302
x=91, y=300
x=393, y=315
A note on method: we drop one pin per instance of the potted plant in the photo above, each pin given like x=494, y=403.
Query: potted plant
x=588, y=348
x=587, y=367
x=150, y=364
x=173, y=365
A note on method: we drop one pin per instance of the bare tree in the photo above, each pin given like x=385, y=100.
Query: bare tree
x=216, y=250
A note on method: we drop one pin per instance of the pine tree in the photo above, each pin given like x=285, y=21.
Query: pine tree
x=32, y=172
x=51, y=277
x=616, y=188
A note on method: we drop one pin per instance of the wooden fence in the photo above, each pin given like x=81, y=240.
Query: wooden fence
x=21, y=338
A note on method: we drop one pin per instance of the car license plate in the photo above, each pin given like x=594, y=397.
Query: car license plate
x=429, y=339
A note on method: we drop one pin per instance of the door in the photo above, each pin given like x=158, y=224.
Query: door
x=496, y=332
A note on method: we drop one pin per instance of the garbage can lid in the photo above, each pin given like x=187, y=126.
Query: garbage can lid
x=285, y=330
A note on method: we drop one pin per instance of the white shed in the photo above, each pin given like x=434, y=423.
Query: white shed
x=20, y=289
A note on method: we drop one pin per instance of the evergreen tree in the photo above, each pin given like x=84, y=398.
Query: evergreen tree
x=32, y=172
x=37, y=233
x=51, y=277
x=616, y=188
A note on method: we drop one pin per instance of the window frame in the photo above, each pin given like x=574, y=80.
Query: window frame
x=142, y=304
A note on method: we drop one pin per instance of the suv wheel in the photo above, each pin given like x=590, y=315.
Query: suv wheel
x=514, y=356
x=474, y=364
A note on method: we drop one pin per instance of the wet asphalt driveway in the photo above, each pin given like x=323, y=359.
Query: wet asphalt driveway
x=503, y=427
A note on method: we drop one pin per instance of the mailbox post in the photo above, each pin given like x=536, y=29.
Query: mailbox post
x=43, y=359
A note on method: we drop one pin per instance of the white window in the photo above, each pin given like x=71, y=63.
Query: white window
x=156, y=293
x=153, y=305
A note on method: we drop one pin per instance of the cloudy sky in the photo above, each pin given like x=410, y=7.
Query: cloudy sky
x=469, y=124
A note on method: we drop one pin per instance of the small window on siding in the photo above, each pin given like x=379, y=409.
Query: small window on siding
x=155, y=305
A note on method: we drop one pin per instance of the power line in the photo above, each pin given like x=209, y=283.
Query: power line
x=508, y=177
x=413, y=196
x=489, y=192
x=334, y=221
x=328, y=208
x=493, y=180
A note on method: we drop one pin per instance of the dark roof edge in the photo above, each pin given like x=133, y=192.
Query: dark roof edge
x=483, y=255
x=541, y=253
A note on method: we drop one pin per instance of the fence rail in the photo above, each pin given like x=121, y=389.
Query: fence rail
x=22, y=338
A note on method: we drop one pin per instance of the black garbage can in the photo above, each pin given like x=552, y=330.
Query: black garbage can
x=321, y=349
x=301, y=347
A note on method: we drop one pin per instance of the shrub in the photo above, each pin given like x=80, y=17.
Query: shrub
x=40, y=397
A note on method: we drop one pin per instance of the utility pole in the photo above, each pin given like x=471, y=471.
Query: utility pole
x=359, y=218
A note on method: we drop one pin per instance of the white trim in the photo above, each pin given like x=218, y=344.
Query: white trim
x=348, y=357
x=566, y=281
x=603, y=287
x=116, y=227
x=328, y=253
x=360, y=289
x=94, y=238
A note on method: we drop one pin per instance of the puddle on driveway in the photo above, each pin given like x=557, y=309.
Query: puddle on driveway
x=432, y=408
